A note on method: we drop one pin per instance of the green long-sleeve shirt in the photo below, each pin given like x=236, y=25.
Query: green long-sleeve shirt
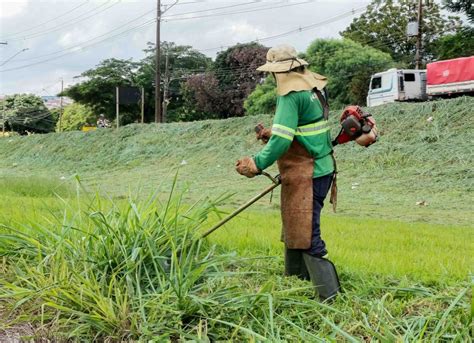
x=299, y=115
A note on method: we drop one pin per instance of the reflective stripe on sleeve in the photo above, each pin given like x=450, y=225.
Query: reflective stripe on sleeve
x=283, y=131
x=312, y=129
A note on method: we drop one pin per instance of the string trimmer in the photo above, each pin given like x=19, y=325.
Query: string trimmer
x=276, y=182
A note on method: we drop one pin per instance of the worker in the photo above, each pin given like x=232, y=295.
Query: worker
x=300, y=142
x=102, y=122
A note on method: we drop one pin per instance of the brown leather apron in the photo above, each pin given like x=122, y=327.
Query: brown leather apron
x=296, y=170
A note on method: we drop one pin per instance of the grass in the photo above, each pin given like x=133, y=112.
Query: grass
x=415, y=160
x=90, y=265
x=423, y=252
x=128, y=270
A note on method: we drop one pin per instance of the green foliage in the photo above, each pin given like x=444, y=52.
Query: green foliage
x=26, y=113
x=461, y=6
x=348, y=66
x=262, y=99
x=383, y=26
x=182, y=61
x=75, y=116
x=98, y=91
x=460, y=44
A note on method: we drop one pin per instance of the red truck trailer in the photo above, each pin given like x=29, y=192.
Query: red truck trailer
x=450, y=77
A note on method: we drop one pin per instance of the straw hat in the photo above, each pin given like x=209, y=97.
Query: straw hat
x=282, y=58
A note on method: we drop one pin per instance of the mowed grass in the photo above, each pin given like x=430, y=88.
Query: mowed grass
x=423, y=252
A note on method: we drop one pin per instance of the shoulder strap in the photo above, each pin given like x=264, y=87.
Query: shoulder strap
x=323, y=102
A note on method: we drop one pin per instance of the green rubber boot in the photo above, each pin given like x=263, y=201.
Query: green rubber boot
x=323, y=275
x=295, y=265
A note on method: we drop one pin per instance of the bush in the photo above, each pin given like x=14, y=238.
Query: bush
x=262, y=99
x=75, y=116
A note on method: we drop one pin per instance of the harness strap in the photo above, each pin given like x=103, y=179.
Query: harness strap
x=333, y=196
x=323, y=102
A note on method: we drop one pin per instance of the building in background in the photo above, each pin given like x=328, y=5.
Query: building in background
x=52, y=102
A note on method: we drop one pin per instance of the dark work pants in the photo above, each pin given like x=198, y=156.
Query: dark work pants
x=321, y=186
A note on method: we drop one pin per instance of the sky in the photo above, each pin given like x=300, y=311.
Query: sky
x=49, y=40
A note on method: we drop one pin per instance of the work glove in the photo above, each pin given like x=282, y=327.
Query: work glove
x=369, y=138
x=262, y=133
x=246, y=166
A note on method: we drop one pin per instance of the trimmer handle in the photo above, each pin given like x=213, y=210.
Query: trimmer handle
x=276, y=180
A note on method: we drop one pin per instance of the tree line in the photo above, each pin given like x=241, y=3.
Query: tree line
x=229, y=86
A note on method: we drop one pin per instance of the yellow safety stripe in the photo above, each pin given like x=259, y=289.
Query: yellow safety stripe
x=312, y=133
x=283, y=131
x=312, y=129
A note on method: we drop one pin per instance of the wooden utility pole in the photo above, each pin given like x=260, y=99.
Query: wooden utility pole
x=158, y=118
x=166, y=84
x=418, y=36
x=61, y=106
x=117, y=106
x=3, y=117
x=143, y=105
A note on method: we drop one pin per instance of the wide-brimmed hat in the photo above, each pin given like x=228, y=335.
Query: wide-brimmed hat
x=282, y=58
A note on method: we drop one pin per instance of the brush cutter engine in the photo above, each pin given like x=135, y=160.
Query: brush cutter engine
x=356, y=125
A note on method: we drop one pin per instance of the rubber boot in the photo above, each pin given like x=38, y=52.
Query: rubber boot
x=323, y=275
x=295, y=265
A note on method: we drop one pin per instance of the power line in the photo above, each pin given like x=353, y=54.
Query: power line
x=91, y=39
x=82, y=48
x=300, y=29
x=50, y=20
x=261, y=8
x=70, y=22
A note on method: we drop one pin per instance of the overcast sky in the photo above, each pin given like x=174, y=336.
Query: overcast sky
x=65, y=38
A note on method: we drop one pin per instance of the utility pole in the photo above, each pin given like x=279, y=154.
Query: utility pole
x=117, y=106
x=61, y=107
x=418, y=36
x=158, y=118
x=143, y=105
x=166, y=83
x=3, y=117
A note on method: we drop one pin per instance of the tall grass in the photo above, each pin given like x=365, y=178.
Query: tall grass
x=133, y=270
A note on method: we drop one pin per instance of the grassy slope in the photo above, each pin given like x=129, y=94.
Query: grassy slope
x=415, y=160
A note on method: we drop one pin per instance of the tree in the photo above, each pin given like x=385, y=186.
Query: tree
x=26, y=113
x=183, y=61
x=461, y=6
x=98, y=91
x=75, y=116
x=348, y=66
x=235, y=68
x=232, y=78
x=262, y=99
x=460, y=44
x=203, y=98
x=383, y=26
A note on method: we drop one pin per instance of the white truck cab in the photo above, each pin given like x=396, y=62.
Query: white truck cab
x=397, y=85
